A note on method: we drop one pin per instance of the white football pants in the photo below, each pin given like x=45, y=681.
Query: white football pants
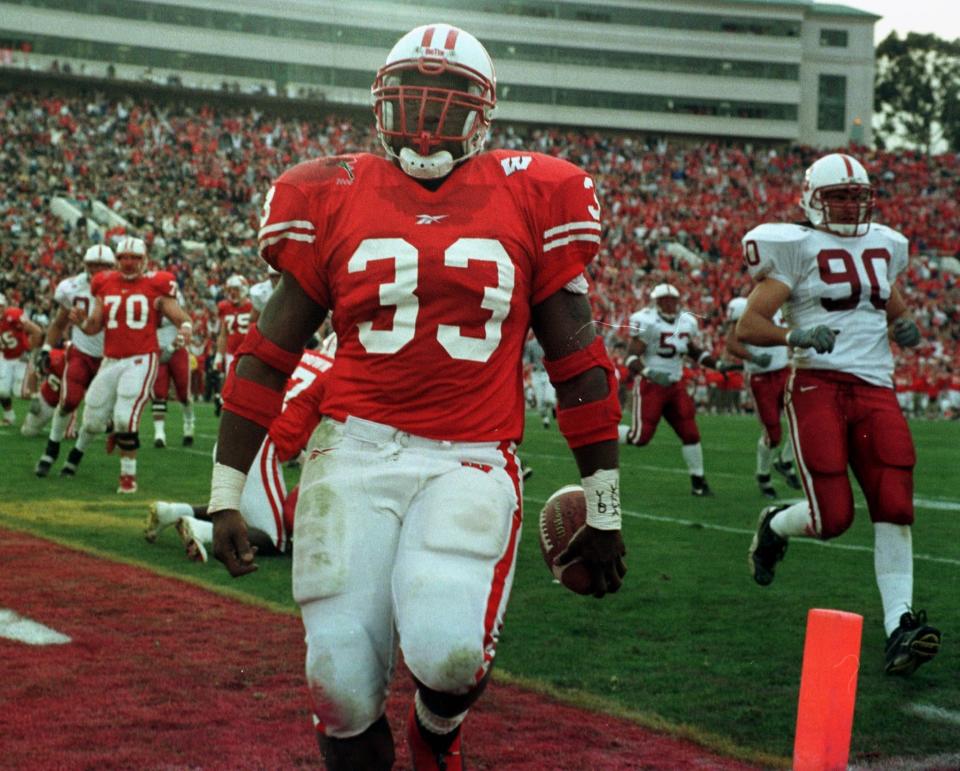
x=400, y=539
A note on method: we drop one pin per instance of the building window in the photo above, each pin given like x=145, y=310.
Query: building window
x=832, y=103
x=836, y=38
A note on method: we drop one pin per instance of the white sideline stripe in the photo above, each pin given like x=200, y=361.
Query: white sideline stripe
x=934, y=713
x=935, y=504
x=15, y=627
x=751, y=531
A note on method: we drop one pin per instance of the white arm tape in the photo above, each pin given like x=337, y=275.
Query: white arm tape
x=226, y=487
x=630, y=360
x=602, y=492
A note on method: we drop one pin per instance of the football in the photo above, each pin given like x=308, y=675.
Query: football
x=562, y=515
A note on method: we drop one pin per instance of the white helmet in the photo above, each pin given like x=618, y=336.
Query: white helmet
x=237, y=288
x=736, y=307
x=101, y=254
x=665, y=291
x=401, y=109
x=837, y=195
x=130, y=246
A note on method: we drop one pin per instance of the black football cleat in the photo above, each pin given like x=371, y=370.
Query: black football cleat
x=700, y=488
x=766, y=488
x=43, y=466
x=73, y=460
x=912, y=643
x=767, y=548
x=187, y=440
x=159, y=442
x=789, y=475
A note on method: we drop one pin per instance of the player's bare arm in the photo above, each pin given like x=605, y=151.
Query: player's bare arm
x=288, y=320
x=92, y=324
x=563, y=324
x=34, y=332
x=57, y=328
x=756, y=324
x=635, y=350
x=901, y=328
x=733, y=346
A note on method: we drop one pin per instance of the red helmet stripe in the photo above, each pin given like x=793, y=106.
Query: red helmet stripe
x=451, y=42
x=427, y=39
x=846, y=162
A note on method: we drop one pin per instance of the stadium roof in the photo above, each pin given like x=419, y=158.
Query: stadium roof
x=827, y=8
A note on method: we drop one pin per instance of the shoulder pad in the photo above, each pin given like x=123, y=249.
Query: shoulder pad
x=894, y=235
x=329, y=169
x=783, y=232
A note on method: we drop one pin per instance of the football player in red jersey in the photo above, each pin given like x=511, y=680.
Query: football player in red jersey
x=234, y=315
x=266, y=506
x=17, y=336
x=435, y=262
x=836, y=276
x=127, y=307
x=44, y=403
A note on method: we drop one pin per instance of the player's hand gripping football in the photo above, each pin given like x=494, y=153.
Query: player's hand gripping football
x=602, y=552
x=821, y=338
x=231, y=543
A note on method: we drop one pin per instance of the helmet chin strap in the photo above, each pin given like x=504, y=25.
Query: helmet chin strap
x=434, y=166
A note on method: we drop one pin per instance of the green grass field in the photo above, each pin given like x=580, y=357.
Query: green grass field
x=690, y=643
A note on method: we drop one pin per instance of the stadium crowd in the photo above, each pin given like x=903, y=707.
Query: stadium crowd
x=190, y=181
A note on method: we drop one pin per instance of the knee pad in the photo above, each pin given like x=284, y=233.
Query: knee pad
x=346, y=676
x=444, y=661
x=127, y=441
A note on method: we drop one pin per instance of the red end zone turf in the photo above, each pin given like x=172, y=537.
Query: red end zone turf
x=161, y=673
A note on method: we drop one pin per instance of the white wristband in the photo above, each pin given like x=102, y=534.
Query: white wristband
x=602, y=492
x=226, y=487
x=630, y=360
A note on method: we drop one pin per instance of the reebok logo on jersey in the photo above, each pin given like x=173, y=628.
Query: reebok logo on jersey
x=515, y=163
x=429, y=219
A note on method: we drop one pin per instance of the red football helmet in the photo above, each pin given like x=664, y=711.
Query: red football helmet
x=837, y=195
x=420, y=122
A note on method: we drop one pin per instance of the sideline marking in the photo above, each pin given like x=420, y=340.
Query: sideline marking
x=16, y=627
x=744, y=531
x=934, y=713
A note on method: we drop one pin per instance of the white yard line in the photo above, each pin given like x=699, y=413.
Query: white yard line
x=744, y=531
x=15, y=627
x=933, y=713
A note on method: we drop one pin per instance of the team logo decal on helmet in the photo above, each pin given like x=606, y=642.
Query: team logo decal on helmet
x=837, y=195
x=415, y=121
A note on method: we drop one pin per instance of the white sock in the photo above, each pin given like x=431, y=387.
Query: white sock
x=169, y=512
x=693, y=457
x=10, y=415
x=893, y=564
x=433, y=722
x=202, y=529
x=764, y=457
x=786, y=450
x=128, y=466
x=59, y=425
x=159, y=430
x=622, y=432
x=794, y=520
x=188, y=420
x=83, y=440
